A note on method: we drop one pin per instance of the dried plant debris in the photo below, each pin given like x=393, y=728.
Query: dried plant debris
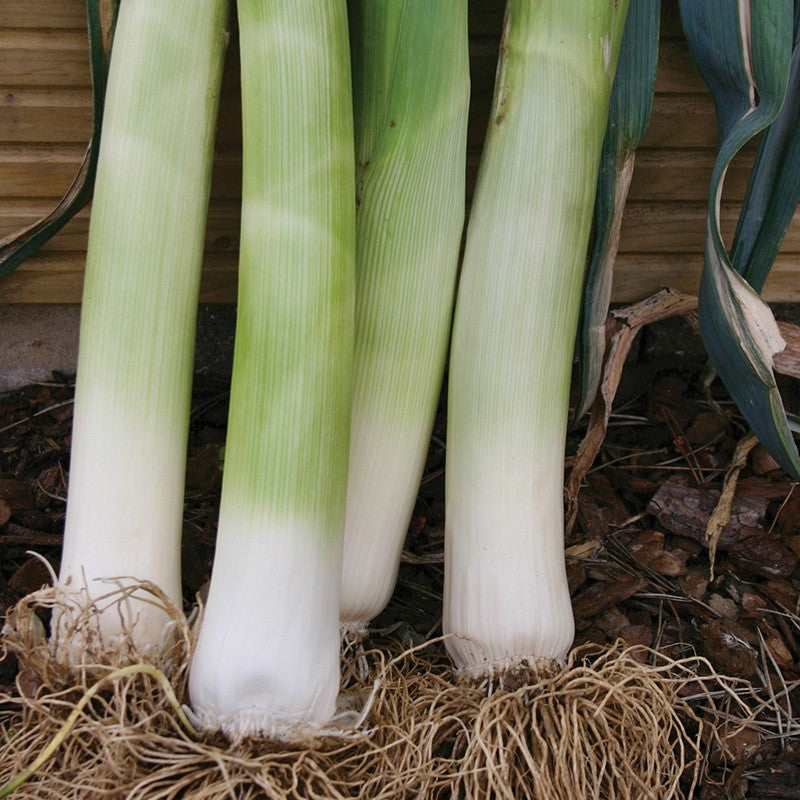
x=623, y=722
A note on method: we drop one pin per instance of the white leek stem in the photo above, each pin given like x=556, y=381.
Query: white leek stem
x=518, y=299
x=267, y=657
x=411, y=85
x=146, y=236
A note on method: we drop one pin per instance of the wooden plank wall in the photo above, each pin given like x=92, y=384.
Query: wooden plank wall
x=45, y=108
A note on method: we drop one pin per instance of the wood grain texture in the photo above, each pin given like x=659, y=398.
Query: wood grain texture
x=639, y=275
x=44, y=57
x=43, y=14
x=45, y=115
x=57, y=277
x=651, y=227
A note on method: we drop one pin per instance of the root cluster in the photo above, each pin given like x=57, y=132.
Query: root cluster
x=618, y=723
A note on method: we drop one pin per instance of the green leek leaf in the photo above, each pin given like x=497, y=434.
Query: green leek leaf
x=629, y=113
x=744, y=51
x=14, y=249
x=774, y=188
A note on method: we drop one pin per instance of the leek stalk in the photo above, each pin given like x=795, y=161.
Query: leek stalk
x=133, y=392
x=411, y=97
x=267, y=657
x=506, y=597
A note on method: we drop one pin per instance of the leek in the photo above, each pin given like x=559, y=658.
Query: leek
x=133, y=390
x=411, y=97
x=267, y=656
x=506, y=598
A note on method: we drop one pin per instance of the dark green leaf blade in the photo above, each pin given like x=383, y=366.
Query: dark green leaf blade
x=738, y=329
x=739, y=336
x=774, y=188
x=713, y=30
x=629, y=113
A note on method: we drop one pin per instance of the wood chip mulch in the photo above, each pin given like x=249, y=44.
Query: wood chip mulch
x=641, y=563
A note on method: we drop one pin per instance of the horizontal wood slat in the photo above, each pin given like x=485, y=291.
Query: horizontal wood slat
x=58, y=277
x=649, y=227
x=638, y=275
x=44, y=58
x=47, y=169
x=64, y=116
x=61, y=116
x=45, y=116
x=48, y=57
x=222, y=231
x=43, y=14
x=676, y=175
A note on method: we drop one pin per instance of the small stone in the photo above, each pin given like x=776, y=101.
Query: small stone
x=576, y=577
x=49, y=486
x=740, y=744
x=755, y=552
x=603, y=595
x=646, y=546
x=671, y=563
x=781, y=592
x=730, y=654
x=753, y=603
x=612, y=622
x=640, y=485
x=590, y=635
x=641, y=634
x=29, y=577
x=16, y=495
x=695, y=583
x=724, y=606
x=707, y=426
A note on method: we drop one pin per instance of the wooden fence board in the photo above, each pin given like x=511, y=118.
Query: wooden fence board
x=650, y=227
x=45, y=116
x=43, y=14
x=44, y=57
x=58, y=277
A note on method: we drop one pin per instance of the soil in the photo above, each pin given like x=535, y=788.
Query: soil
x=639, y=557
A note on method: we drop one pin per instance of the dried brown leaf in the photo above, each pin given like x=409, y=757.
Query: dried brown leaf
x=621, y=329
x=721, y=515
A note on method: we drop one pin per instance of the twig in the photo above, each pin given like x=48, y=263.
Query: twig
x=37, y=414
